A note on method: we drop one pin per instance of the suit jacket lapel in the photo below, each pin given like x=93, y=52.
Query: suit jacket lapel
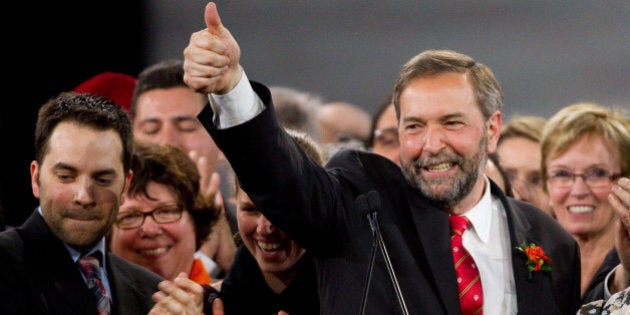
x=51, y=262
x=432, y=228
x=127, y=294
x=530, y=290
x=123, y=295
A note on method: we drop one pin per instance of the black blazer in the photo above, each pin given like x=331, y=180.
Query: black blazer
x=318, y=207
x=244, y=290
x=38, y=276
x=596, y=288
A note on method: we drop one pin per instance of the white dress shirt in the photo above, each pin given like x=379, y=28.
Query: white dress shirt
x=488, y=242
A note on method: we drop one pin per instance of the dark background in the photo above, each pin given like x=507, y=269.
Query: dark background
x=546, y=53
x=54, y=46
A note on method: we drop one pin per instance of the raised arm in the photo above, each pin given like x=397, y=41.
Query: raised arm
x=297, y=193
x=212, y=57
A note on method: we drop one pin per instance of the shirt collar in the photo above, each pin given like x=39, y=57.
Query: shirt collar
x=99, y=247
x=480, y=215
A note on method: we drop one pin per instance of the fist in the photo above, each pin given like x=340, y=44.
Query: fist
x=211, y=59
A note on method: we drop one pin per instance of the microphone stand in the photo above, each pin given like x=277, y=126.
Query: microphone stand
x=370, y=265
x=373, y=204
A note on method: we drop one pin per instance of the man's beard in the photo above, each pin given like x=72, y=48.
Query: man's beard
x=454, y=188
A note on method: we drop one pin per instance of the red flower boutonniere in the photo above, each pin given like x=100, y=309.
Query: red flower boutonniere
x=536, y=258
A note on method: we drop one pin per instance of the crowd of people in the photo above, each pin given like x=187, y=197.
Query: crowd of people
x=199, y=191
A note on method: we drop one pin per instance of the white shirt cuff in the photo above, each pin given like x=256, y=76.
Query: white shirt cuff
x=211, y=266
x=237, y=106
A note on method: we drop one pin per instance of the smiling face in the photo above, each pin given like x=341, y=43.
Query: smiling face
x=165, y=248
x=444, y=139
x=80, y=183
x=274, y=251
x=582, y=210
x=169, y=116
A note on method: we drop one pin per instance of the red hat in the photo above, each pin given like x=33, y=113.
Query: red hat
x=114, y=85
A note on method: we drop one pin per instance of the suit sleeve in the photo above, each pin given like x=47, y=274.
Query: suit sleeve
x=294, y=192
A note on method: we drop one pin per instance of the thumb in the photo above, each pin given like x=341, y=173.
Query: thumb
x=217, y=307
x=212, y=19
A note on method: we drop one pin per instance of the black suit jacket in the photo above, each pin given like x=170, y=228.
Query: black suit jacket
x=38, y=276
x=244, y=290
x=318, y=207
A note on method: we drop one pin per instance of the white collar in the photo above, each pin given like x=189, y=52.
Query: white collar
x=480, y=215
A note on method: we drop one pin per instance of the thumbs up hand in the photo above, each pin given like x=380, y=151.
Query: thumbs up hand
x=211, y=59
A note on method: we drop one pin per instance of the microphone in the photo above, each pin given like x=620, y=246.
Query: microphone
x=370, y=204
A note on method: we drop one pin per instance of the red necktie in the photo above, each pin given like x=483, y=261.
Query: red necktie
x=90, y=266
x=468, y=281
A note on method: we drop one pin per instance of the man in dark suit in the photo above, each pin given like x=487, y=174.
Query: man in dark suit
x=449, y=119
x=83, y=147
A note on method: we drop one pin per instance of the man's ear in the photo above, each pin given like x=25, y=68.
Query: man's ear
x=494, y=130
x=35, y=178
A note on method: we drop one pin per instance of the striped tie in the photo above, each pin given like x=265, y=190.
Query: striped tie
x=468, y=281
x=90, y=266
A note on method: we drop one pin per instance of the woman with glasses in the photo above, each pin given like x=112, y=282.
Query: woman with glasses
x=271, y=273
x=163, y=218
x=518, y=152
x=585, y=149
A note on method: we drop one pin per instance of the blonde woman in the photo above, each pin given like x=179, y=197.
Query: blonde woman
x=585, y=149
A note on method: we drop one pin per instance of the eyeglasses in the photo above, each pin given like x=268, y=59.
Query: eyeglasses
x=525, y=184
x=526, y=187
x=593, y=177
x=387, y=137
x=135, y=219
